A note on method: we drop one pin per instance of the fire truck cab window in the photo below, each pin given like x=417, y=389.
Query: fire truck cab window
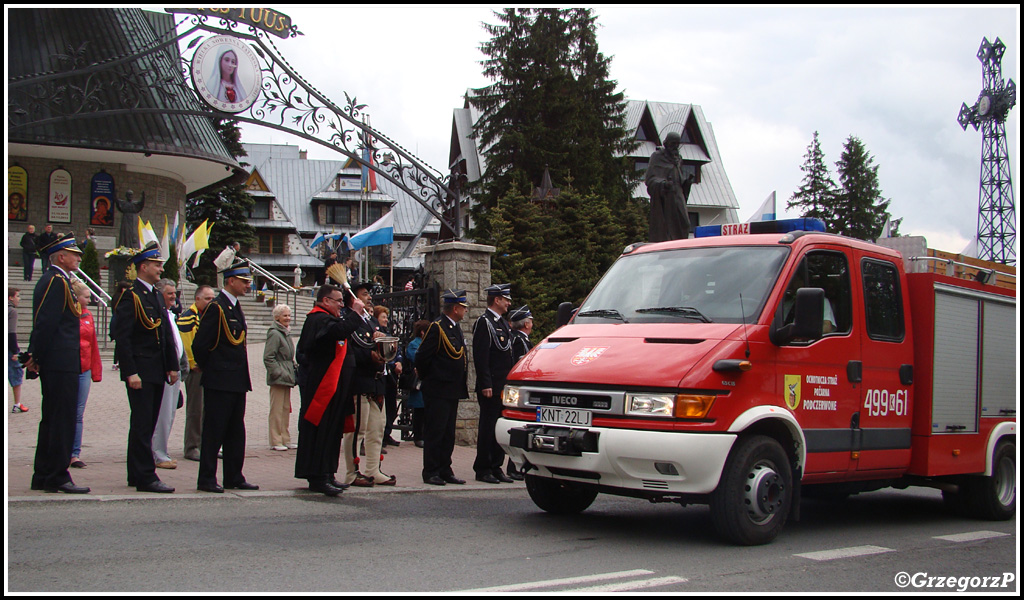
x=830, y=272
x=883, y=303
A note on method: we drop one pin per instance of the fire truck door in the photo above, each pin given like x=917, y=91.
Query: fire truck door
x=883, y=440
x=814, y=375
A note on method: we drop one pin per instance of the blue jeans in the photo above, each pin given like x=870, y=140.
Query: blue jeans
x=84, y=383
x=15, y=373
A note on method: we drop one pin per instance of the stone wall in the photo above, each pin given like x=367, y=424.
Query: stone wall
x=463, y=266
x=164, y=197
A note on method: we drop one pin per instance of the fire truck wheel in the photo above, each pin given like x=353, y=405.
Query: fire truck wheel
x=995, y=497
x=559, y=497
x=754, y=495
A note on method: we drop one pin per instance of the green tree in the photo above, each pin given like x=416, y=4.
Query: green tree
x=91, y=261
x=817, y=194
x=552, y=105
x=226, y=208
x=859, y=210
x=171, y=266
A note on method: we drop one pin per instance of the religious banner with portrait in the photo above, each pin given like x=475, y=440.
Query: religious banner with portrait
x=226, y=73
x=102, y=200
x=59, y=197
x=17, y=194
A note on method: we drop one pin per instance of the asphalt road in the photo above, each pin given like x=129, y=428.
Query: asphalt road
x=496, y=540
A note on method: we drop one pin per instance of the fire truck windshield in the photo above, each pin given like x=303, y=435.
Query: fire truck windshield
x=702, y=285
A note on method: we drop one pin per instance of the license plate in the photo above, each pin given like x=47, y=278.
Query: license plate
x=564, y=416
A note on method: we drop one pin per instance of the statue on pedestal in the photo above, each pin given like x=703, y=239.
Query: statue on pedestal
x=129, y=234
x=669, y=190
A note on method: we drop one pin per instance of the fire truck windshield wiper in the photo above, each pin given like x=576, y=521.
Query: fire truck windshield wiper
x=686, y=311
x=608, y=313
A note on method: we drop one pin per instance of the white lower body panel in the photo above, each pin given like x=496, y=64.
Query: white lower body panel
x=631, y=459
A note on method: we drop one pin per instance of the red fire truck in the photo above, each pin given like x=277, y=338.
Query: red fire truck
x=744, y=371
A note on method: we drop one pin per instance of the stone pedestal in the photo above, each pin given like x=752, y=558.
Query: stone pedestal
x=116, y=274
x=463, y=266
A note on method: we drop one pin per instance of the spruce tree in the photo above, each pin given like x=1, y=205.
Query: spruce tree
x=226, y=208
x=552, y=105
x=91, y=262
x=817, y=194
x=860, y=210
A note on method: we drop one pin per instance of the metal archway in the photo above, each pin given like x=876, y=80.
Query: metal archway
x=285, y=101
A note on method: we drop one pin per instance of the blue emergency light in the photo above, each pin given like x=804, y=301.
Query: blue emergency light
x=780, y=226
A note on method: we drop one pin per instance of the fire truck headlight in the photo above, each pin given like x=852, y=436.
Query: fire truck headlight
x=510, y=396
x=652, y=405
x=693, y=406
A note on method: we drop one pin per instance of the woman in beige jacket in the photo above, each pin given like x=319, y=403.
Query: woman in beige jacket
x=279, y=358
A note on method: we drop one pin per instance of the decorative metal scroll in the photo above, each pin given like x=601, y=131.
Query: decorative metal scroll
x=285, y=101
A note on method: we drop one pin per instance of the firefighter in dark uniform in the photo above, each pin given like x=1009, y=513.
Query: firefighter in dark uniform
x=53, y=353
x=443, y=366
x=219, y=350
x=492, y=357
x=148, y=359
x=521, y=320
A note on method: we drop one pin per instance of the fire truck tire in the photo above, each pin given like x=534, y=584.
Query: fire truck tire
x=559, y=497
x=994, y=497
x=753, y=497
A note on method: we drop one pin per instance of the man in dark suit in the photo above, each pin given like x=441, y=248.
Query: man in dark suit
x=147, y=357
x=492, y=357
x=28, y=252
x=54, y=350
x=219, y=350
x=443, y=366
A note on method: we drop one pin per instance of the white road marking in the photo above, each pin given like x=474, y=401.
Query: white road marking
x=625, y=586
x=533, y=585
x=971, y=536
x=850, y=552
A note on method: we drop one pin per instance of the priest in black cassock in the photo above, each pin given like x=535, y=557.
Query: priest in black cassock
x=324, y=376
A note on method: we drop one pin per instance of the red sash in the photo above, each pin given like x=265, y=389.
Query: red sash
x=329, y=384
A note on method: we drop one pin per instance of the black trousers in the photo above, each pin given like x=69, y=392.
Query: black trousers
x=145, y=405
x=56, y=429
x=489, y=454
x=439, y=416
x=28, y=262
x=223, y=427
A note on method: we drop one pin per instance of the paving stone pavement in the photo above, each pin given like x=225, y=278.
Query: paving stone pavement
x=105, y=438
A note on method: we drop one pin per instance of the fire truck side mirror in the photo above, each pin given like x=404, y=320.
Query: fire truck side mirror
x=565, y=313
x=808, y=316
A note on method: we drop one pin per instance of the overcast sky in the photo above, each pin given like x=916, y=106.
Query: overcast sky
x=766, y=78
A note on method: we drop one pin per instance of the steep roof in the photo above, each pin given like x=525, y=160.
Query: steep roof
x=44, y=41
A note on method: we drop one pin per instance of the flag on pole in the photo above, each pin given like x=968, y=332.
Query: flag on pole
x=196, y=243
x=381, y=232
x=766, y=212
x=319, y=239
x=369, y=175
x=147, y=235
x=886, y=229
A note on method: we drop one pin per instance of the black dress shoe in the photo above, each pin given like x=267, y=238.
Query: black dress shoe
x=157, y=486
x=324, y=488
x=502, y=477
x=418, y=443
x=210, y=487
x=245, y=485
x=453, y=479
x=515, y=475
x=392, y=442
x=338, y=484
x=487, y=478
x=435, y=480
x=69, y=488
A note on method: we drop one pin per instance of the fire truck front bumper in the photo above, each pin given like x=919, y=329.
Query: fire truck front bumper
x=653, y=461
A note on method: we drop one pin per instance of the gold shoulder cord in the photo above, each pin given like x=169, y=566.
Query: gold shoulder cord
x=70, y=302
x=234, y=341
x=449, y=349
x=142, y=317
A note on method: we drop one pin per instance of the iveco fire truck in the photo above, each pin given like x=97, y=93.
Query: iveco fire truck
x=742, y=371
